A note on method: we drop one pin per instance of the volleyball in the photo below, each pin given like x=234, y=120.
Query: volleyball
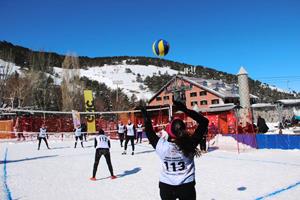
x=160, y=47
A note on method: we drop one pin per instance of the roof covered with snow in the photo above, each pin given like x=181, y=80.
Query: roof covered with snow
x=242, y=71
x=219, y=108
x=289, y=101
x=217, y=87
x=262, y=105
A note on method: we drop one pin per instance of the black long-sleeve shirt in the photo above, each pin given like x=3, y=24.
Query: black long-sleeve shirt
x=198, y=133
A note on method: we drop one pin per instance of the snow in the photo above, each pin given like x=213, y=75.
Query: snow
x=63, y=173
x=227, y=143
x=274, y=129
x=262, y=105
x=289, y=101
x=272, y=87
x=8, y=67
x=108, y=74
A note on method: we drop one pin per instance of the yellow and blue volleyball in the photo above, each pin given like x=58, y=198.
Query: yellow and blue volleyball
x=160, y=47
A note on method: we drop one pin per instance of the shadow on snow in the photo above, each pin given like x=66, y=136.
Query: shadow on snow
x=27, y=159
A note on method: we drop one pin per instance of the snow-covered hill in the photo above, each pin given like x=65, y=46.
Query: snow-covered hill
x=125, y=75
x=111, y=74
x=8, y=67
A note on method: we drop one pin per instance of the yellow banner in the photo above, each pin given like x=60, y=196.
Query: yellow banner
x=90, y=107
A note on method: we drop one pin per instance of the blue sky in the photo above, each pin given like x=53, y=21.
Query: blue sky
x=262, y=35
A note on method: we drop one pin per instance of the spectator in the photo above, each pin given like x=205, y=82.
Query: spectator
x=261, y=124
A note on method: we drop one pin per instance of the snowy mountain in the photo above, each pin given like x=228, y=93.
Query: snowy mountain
x=125, y=75
x=129, y=71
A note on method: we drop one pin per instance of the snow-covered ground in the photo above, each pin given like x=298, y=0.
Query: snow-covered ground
x=63, y=173
x=274, y=129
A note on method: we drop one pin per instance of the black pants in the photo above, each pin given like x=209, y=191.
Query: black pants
x=182, y=192
x=139, y=136
x=45, y=140
x=203, y=144
x=21, y=135
x=84, y=135
x=99, y=153
x=121, y=138
x=131, y=138
x=80, y=138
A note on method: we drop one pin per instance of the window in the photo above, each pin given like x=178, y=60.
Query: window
x=203, y=93
x=193, y=94
x=158, y=98
x=166, y=97
x=204, y=102
x=193, y=103
x=215, y=101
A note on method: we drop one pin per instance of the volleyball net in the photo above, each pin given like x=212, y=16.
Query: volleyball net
x=19, y=123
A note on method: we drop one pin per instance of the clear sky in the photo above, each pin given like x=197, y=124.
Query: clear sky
x=261, y=35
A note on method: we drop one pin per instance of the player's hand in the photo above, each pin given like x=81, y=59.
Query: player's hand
x=179, y=105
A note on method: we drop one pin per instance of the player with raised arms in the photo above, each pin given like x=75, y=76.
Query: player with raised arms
x=177, y=176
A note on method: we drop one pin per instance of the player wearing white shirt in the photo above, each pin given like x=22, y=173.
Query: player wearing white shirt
x=102, y=145
x=139, y=132
x=177, y=176
x=121, y=128
x=130, y=135
x=78, y=135
x=42, y=136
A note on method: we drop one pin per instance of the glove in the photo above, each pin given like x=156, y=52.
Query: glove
x=179, y=105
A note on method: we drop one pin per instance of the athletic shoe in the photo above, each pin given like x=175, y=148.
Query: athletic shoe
x=93, y=179
x=113, y=177
x=132, y=153
x=124, y=153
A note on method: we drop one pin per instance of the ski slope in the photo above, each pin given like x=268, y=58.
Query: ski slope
x=110, y=74
x=63, y=173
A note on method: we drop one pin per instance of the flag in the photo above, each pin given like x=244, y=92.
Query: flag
x=90, y=107
x=76, y=118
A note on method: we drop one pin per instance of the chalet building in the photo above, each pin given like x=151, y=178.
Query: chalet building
x=203, y=93
x=216, y=99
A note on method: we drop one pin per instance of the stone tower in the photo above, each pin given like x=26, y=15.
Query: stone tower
x=243, y=88
x=245, y=111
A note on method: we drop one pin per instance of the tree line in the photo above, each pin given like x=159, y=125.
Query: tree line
x=35, y=87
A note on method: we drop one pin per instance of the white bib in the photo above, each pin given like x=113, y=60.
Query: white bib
x=130, y=131
x=42, y=133
x=176, y=169
x=102, y=142
x=121, y=128
x=78, y=132
x=139, y=128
